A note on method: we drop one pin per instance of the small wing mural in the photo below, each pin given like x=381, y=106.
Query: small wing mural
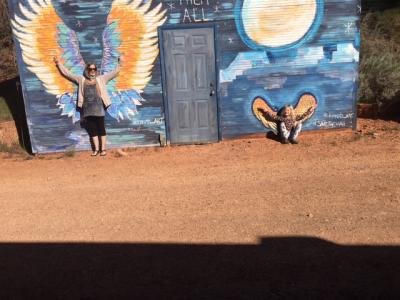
x=305, y=102
x=259, y=104
x=138, y=48
x=39, y=46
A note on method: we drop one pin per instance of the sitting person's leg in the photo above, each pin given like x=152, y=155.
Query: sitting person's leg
x=295, y=133
x=283, y=133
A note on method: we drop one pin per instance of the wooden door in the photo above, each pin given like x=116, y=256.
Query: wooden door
x=189, y=61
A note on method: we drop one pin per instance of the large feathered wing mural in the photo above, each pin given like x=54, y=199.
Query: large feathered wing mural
x=130, y=34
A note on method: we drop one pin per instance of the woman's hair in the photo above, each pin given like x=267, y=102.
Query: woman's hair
x=291, y=111
x=86, y=71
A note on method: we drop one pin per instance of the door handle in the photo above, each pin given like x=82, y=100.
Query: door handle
x=212, y=91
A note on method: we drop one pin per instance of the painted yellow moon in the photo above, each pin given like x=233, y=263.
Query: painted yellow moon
x=276, y=23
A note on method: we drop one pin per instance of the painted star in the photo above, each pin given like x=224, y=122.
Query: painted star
x=230, y=40
x=349, y=27
x=171, y=6
x=359, y=9
x=79, y=24
x=216, y=9
x=95, y=39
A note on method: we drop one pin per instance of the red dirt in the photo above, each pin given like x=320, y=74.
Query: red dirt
x=342, y=186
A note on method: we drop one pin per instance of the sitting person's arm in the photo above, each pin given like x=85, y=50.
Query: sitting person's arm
x=270, y=116
x=305, y=115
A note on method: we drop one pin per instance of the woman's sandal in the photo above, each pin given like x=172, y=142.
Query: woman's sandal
x=103, y=153
x=95, y=153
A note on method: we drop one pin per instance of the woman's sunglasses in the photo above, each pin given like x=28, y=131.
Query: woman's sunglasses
x=92, y=69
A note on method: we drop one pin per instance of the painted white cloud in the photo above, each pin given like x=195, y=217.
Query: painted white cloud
x=345, y=53
x=257, y=59
x=308, y=56
x=243, y=62
x=305, y=57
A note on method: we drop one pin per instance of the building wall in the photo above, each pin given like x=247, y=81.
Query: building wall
x=312, y=47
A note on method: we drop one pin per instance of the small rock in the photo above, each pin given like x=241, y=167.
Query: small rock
x=310, y=215
x=120, y=153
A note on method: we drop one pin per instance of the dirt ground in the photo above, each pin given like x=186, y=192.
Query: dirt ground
x=341, y=187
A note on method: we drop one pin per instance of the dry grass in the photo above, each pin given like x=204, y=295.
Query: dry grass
x=70, y=153
x=14, y=148
x=5, y=113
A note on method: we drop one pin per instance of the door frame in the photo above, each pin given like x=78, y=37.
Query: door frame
x=164, y=74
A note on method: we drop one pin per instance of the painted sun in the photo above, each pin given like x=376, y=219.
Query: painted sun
x=276, y=23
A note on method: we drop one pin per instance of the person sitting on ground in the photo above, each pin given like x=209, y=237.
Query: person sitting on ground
x=288, y=123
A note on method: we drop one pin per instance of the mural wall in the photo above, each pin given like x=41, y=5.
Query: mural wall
x=283, y=50
x=275, y=51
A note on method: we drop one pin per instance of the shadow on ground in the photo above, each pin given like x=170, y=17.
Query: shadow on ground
x=11, y=91
x=277, y=268
x=272, y=136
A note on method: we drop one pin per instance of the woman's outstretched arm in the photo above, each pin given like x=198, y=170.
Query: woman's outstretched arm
x=65, y=71
x=305, y=115
x=110, y=76
x=271, y=117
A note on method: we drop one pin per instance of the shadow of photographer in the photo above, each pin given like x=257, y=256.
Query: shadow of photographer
x=277, y=268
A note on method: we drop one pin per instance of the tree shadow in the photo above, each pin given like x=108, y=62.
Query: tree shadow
x=387, y=112
x=391, y=111
x=369, y=5
x=276, y=268
x=11, y=91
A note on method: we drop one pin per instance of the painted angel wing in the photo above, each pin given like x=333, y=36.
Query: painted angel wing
x=131, y=34
x=42, y=34
x=306, y=101
x=258, y=105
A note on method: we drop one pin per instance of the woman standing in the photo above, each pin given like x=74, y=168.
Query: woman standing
x=93, y=100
